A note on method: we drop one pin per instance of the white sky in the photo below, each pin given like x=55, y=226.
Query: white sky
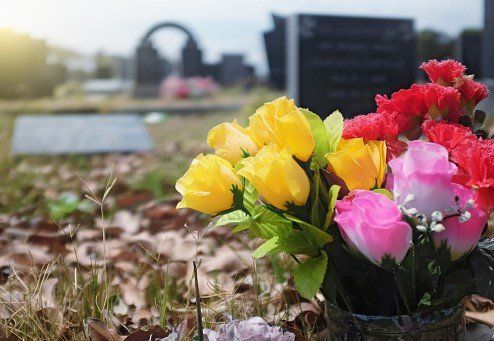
x=115, y=26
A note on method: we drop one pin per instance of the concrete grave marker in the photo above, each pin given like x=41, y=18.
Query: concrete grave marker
x=80, y=134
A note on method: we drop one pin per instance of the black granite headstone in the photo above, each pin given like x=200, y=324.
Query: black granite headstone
x=274, y=41
x=488, y=40
x=191, y=59
x=211, y=70
x=150, y=70
x=470, y=51
x=341, y=63
x=232, y=69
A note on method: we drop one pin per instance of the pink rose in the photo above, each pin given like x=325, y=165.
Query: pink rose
x=371, y=224
x=462, y=236
x=421, y=178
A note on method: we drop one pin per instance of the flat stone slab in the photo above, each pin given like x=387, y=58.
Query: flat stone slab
x=80, y=134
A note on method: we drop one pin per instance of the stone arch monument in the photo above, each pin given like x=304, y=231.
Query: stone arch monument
x=151, y=68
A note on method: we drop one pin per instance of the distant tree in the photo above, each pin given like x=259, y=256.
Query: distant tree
x=24, y=69
x=105, y=66
x=434, y=45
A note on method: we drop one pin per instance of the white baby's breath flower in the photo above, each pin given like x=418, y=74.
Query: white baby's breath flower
x=435, y=227
x=422, y=219
x=465, y=216
x=468, y=205
x=421, y=228
x=437, y=216
x=409, y=198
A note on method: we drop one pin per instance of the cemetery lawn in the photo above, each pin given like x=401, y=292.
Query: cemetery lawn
x=60, y=279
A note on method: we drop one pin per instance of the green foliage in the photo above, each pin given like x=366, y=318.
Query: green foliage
x=105, y=68
x=294, y=242
x=154, y=182
x=250, y=196
x=235, y=217
x=320, y=135
x=309, y=275
x=262, y=223
x=383, y=191
x=318, y=206
x=333, y=196
x=334, y=126
x=326, y=134
x=434, y=45
x=425, y=300
x=24, y=67
x=267, y=248
x=316, y=237
x=267, y=224
x=67, y=204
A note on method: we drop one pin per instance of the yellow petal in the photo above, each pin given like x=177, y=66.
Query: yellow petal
x=207, y=185
x=361, y=165
x=277, y=176
x=231, y=141
x=296, y=134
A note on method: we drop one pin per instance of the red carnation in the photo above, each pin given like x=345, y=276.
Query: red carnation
x=404, y=107
x=476, y=162
x=394, y=148
x=441, y=101
x=444, y=72
x=372, y=126
x=448, y=135
x=472, y=93
x=376, y=126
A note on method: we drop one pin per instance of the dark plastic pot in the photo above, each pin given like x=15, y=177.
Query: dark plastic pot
x=446, y=324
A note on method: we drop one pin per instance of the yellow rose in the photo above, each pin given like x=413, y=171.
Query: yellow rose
x=360, y=164
x=282, y=123
x=277, y=176
x=206, y=186
x=230, y=140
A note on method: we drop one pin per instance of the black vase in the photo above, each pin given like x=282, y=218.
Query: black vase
x=445, y=324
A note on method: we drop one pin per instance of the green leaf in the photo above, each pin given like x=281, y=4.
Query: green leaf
x=267, y=224
x=320, y=134
x=266, y=247
x=383, y=191
x=238, y=199
x=317, y=207
x=309, y=275
x=316, y=237
x=67, y=204
x=425, y=300
x=235, y=217
x=296, y=243
x=334, y=127
x=250, y=196
x=333, y=196
x=242, y=226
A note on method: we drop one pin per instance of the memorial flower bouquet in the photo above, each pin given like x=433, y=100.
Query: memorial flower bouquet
x=381, y=212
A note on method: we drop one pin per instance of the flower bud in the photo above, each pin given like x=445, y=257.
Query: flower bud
x=282, y=123
x=207, y=185
x=277, y=176
x=362, y=165
x=231, y=141
x=372, y=224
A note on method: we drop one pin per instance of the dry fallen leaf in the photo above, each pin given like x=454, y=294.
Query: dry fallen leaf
x=98, y=331
x=155, y=333
x=133, y=293
x=479, y=309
